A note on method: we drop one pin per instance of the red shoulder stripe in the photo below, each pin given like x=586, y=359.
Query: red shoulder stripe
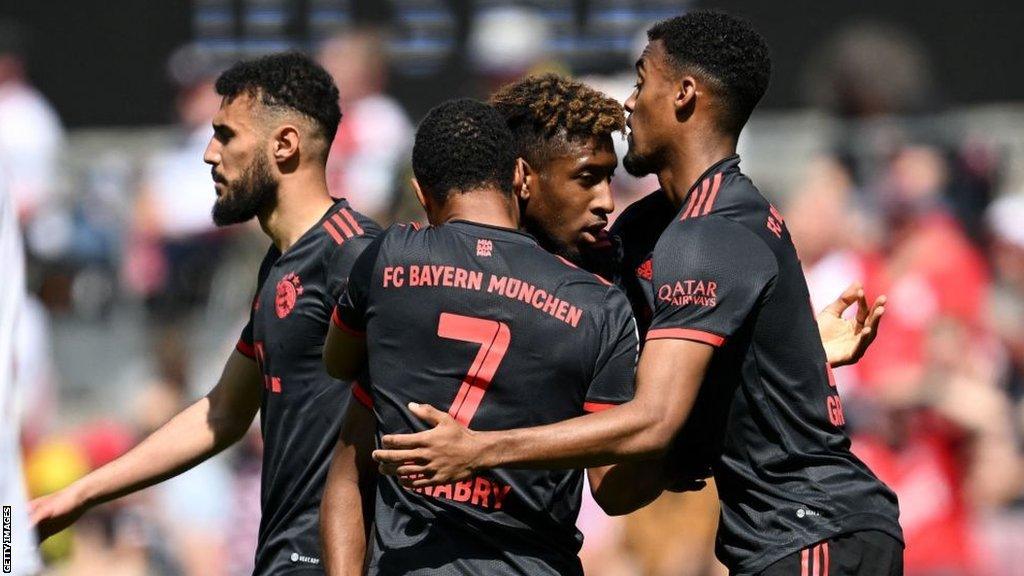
x=714, y=194
x=697, y=200
x=333, y=232
x=342, y=226
x=352, y=221
x=597, y=406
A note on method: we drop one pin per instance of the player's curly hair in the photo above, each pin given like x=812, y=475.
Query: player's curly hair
x=289, y=80
x=461, y=145
x=547, y=112
x=724, y=50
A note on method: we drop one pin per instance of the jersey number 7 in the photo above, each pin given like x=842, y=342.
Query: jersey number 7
x=493, y=338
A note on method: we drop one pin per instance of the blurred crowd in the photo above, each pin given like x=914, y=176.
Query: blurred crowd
x=125, y=251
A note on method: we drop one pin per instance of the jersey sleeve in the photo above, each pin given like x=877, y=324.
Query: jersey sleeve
x=350, y=313
x=340, y=261
x=709, y=274
x=615, y=367
x=246, y=346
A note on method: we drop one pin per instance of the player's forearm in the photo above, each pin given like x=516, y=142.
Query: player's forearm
x=192, y=436
x=343, y=529
x=626, y=432
x=668, y=378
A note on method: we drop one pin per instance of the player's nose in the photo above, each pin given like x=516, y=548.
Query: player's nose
x=212, y=154
x=604, y=201
x=630, y=102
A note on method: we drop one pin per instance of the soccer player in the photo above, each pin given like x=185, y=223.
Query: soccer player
x=729, y=317
x=563, y=131
x=473, y=315
x=276, y=123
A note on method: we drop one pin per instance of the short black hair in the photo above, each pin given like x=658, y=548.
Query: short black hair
x=289, y=80
x=725, y=50
x=546, y=113
x=460, y=145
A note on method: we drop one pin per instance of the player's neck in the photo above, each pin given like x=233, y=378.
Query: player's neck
x=301, y=203
x=491, y=207
x=689, y=159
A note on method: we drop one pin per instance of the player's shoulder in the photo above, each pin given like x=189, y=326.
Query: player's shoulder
x=584, y=287
x=344, y=223
x=345, y=232
x=643, y=212
x=713, y=242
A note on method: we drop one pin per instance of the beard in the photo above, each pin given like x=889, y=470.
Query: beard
x=254, y=191
x=640, y=165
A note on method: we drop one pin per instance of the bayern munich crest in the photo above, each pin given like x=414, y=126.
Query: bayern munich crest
x=289, y=289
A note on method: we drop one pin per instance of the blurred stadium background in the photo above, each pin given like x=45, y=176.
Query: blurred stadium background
x=893, y=135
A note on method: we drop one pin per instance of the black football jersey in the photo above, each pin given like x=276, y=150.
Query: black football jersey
x=723, y=270
x=481, y=322
x=302, y=406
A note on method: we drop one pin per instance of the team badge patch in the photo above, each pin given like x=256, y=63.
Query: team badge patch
x=288, y=291
x=645, y=270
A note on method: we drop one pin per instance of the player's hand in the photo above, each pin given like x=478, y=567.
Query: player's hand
x=845, y=340
x=446, y=453
x=54, y=512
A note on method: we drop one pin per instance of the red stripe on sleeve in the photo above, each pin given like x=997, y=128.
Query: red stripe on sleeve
x=804, y=562
x=334, y=233
x=686, y=334
x=336, y=319
x=696, y=199
x=714, y=194
x=343, y=226
x=246, y=349
x=597, y=406
x=351, y=220
x=360, y=394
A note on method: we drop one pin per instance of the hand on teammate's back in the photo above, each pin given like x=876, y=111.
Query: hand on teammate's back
x=845, y=340
x=416, y=459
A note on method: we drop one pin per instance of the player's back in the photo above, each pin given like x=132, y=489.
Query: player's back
x=481, y=322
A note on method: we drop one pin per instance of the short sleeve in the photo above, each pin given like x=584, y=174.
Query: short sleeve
x=709, y=274
x=246, y=346
x=615, y=367
x=245, y=341
x=350, y=313
x=340, y=262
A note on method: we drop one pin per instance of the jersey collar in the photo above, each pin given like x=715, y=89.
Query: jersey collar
x=727, y=164
x=511, y=234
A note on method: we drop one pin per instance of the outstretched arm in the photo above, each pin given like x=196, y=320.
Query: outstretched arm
x=198, y=432
x=346, y=511
x=668, y=378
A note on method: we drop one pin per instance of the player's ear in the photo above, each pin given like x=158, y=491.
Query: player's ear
x=524, y=179
x=419, y=194
x=286, y=144
x=685, y=97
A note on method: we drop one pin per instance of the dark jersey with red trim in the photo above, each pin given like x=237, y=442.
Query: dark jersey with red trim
x=483, y=323
x=723, y=271
x=302, y=406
